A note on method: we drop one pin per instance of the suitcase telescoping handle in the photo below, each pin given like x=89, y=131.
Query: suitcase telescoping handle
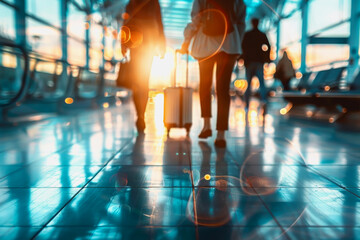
x=175, y=68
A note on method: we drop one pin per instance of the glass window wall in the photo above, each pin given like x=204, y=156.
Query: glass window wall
x=324, y=13
x=290, y=29
x=76, y=22
x=76, y=52
x=43, y=39
x=48, y=10
x=325, y=54
x=7, y=22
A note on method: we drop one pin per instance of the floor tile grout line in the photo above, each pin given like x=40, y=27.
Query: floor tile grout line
x=36, y=161
x=44, y=157
x=262, y=201
x=284, y=232
x=185, y=226
x=63, y=118
x=312, y=169
x=193, y=190
x=77, y=193
x=332, y=181
x=57, y=151
x=165, y=187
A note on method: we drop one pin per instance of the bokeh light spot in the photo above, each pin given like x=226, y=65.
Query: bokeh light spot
x=69, y=100
x=264, y=47
x=125, y=16
x=106, y=105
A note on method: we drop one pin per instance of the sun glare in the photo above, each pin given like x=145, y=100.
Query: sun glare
x=162, y=69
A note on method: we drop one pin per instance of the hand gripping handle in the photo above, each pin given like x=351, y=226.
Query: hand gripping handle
x=178, y=51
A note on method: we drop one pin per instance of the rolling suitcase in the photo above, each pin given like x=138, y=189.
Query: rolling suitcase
x=178, y=102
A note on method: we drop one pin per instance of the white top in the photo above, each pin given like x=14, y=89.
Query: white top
x=203, y=45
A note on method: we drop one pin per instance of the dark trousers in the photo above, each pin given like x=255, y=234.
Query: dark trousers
x=286, y=84
x=255, y=69
x=224, y=67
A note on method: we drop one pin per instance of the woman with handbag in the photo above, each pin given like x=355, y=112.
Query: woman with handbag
x=220, y=45
x=143, y=35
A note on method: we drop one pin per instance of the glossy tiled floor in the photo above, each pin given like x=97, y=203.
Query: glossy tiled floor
x=88, y=176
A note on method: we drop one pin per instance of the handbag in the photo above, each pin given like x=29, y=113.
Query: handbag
x=124, y=76
x=204, y=46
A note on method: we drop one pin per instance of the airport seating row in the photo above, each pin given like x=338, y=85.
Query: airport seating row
x=322, y=89
x=31, y=84
x=13, y=80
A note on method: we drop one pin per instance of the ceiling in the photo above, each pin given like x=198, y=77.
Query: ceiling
x=176, y=13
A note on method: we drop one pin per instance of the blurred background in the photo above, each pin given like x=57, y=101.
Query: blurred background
x=85, y=34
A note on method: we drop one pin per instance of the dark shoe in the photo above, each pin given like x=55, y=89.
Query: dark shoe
x=220, y=143
x=205, y=134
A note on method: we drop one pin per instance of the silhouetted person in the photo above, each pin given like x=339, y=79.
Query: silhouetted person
x=220, y=50
x=256, y=50
x=285, y=71
x=144, y=27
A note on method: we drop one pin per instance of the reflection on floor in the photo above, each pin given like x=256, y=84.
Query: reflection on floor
x=90, y=177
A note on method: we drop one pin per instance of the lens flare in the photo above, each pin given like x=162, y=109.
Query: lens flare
x=125, y=34
x=200, y=16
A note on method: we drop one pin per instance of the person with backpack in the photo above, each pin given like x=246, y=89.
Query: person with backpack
x=216, y=31
x=285, y=71
x=256, y=48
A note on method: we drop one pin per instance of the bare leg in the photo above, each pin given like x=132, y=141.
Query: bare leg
x=220, y=135
x=207, y=124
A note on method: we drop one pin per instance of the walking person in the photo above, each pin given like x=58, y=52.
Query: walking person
x=285, y=71
x=256, y=48
x=217, y=28
x=143, y=25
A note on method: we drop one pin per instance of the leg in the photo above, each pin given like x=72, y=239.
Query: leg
x=260, y=75
x=249, y=75
x=286, y=84
x=140, y=97
x=141, y=67
x=225, y=66
x=206, y=69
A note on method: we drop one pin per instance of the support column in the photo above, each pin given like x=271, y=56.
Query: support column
x=304, y=36
x=278, y=39
x=103, y=46
x=64, y=40
x=20, y=23
x=87, y=42
x=354, y=39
